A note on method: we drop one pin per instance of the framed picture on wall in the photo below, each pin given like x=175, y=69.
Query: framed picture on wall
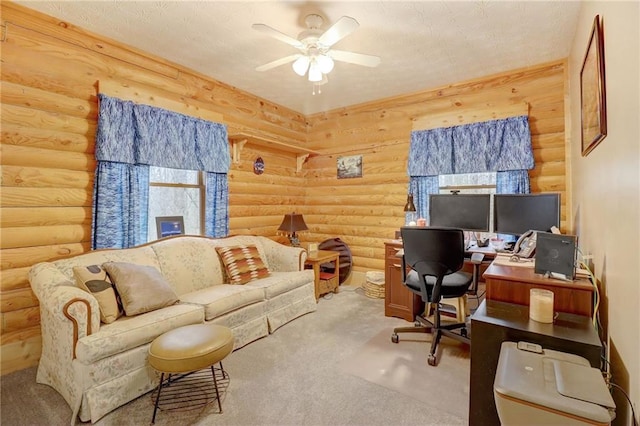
x=169, y=225
x=593, y=105
x=350, y=166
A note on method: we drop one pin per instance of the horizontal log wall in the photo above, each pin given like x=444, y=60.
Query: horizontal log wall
x=366, y=211
x=50, y=74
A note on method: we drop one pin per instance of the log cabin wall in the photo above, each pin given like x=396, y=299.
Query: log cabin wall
x=364, y=212
x=50, y=74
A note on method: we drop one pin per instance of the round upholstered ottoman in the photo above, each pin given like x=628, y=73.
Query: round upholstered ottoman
x=190, y=348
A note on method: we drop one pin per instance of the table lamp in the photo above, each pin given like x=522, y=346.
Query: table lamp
x=292, y=223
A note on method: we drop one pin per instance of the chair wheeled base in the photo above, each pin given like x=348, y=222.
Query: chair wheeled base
x=423, y=325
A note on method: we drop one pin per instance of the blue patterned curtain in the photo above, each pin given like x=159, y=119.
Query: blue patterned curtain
x=136, y=136
x=120, y=205
x=488, y=146
x=216, y=205
x=421, y=187
x=513, y=182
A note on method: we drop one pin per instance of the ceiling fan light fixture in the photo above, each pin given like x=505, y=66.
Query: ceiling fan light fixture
x=300, y=65
x=314, y=72
x=325, y=63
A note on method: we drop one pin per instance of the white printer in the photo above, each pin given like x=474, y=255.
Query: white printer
x=536, y=386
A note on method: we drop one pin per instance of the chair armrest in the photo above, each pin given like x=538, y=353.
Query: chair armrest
x=477, y=258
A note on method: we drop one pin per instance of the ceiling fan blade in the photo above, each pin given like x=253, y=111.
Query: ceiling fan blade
x=277, y=35
x=278, y=62
x=355, y=58
x=342, y=28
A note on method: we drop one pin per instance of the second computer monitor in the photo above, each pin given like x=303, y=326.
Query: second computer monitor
x=517, y=213
x=470, y=212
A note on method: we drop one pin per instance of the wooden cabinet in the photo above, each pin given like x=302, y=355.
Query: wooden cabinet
x=398, y=300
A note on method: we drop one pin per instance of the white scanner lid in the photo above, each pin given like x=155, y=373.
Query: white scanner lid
x=556, y=380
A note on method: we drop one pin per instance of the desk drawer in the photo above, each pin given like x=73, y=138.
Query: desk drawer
x=392, y=251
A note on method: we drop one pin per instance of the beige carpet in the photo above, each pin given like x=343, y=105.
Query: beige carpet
x=403, y=367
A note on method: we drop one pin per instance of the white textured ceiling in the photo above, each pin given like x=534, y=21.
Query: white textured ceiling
x=422, y=45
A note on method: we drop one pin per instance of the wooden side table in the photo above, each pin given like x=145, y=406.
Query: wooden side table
x=325, y=282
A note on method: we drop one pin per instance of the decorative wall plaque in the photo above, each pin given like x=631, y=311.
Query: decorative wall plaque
x=258, y=166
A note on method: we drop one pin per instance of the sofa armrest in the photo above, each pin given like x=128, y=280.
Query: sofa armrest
x=283, y=258
x=67, y=313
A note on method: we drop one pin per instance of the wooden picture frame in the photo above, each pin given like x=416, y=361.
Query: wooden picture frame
x=593, y=106
x=169, y=225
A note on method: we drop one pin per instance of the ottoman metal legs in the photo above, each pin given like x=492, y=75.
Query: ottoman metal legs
x=186, y=350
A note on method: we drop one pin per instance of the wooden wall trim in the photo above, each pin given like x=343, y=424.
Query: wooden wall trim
x=470, y=115
x=138, y=93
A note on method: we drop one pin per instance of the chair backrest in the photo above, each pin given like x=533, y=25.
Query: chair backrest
x=437, y=251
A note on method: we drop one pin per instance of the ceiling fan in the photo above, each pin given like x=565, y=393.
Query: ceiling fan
x=316, y=55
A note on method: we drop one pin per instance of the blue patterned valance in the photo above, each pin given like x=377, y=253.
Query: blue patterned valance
x=488, y=146
x=140, y=134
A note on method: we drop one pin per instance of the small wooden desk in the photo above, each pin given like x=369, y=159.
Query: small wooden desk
x=324, y=283
x=512, y=284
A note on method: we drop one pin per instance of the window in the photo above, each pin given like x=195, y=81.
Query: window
x=174, y=192
x=468, y=183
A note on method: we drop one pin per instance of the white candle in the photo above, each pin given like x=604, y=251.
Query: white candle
x=541, y=305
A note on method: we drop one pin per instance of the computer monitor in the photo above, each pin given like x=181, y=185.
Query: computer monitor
x=515, y=214
x=470, y=212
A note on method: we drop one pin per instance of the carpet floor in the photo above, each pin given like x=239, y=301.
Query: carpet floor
x=336, y=366
x=403, y=368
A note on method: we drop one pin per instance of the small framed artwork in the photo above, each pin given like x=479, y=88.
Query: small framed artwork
x=169, y=225
x=593, y=105
x=350, y=167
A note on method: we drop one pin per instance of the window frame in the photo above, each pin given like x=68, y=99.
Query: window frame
x=200, y=186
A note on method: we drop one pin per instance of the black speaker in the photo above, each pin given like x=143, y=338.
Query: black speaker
x=556, y=253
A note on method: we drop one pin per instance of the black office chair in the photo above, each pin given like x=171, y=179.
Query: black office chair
x=435, y=257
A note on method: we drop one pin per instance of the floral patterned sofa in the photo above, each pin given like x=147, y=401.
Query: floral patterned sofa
x=99, y=366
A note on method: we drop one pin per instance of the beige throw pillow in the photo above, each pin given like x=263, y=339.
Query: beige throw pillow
x=242, y=263
x=141, y=288
x=93, y=279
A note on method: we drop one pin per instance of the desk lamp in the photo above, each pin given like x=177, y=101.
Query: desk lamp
x=410, y=211
x=292, y=223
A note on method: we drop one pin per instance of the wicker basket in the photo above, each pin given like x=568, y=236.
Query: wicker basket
x=374, y=285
